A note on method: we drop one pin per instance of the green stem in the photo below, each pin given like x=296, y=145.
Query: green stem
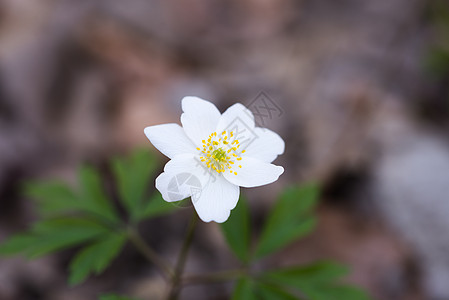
x=173, y=292
x=150, y=254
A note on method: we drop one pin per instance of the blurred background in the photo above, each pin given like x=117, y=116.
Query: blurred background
x=358, y=89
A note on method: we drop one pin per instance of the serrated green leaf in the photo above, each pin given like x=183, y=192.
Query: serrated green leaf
x=289, y=220
x=95, y=257
x=17, y=244
x=93, y=197
x=334, y=291
x=115, y=297
x=51, y=235
x=57, y=234
x=68, y=224
x=318, y=281
x=155, y=207
x=236, y=230
x=315, y=273
x=53, y=197
x=244, y=290
x=132, y=175
x=289, y=232
x=346, y=292
x=270, y=292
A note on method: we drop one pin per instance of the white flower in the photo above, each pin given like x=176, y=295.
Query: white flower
x=214, y=154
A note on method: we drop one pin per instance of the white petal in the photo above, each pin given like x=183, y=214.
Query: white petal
x=170, y=139
x=183, y=177
x=253, y=172
x=267, y=146
x=200, y=118
x=216, y=200
x=235, y=111
x=240, y=121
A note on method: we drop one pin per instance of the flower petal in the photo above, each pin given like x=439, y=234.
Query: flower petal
x=199, y=119
x=170, y=139
x=239, y=120
x=183, y=177
x=216, y=200
x=253, y=172
x=236, y=111
x=267, y=146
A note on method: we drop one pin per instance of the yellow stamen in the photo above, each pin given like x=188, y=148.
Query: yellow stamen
x=217, y=154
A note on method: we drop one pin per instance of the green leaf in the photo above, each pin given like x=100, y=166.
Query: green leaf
x=318, y=281
x=269, y=292
x=68, y=224
x=132, y=175
x=94, y=199
x=56, y=197
x=346, y=292
x=244, y=290
x=290, y=219
x=315, y=273
x=53, y=197
x=57, y=234
x=52, y=235
x=95, y=257
x=335, y=292
x=115, y=297
x=17, y=244
x=287, y=233
x=155, y=207
x=237, y=230
x=247, y=289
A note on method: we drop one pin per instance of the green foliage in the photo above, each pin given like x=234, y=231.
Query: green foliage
x=336, y=291
x=156, y=206
x=55, y=198
x=318, y=281
x=93, y=195
x=237, y=230
x=95, y=257
x=17, y=244
x=52, y=235
x=244, y=290
x=290, y=219
x=86, y=217
x=133, y=175
x=250, y=289
x=312, y=274
x=268, y=292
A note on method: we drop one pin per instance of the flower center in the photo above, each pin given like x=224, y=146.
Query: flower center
x=219, y=152
x=219, y=155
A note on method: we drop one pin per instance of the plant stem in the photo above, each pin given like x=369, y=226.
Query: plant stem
x=179, y=268
x=214, y=277
x=150, y=254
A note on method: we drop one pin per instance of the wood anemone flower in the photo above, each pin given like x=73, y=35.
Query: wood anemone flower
x=212, y=155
